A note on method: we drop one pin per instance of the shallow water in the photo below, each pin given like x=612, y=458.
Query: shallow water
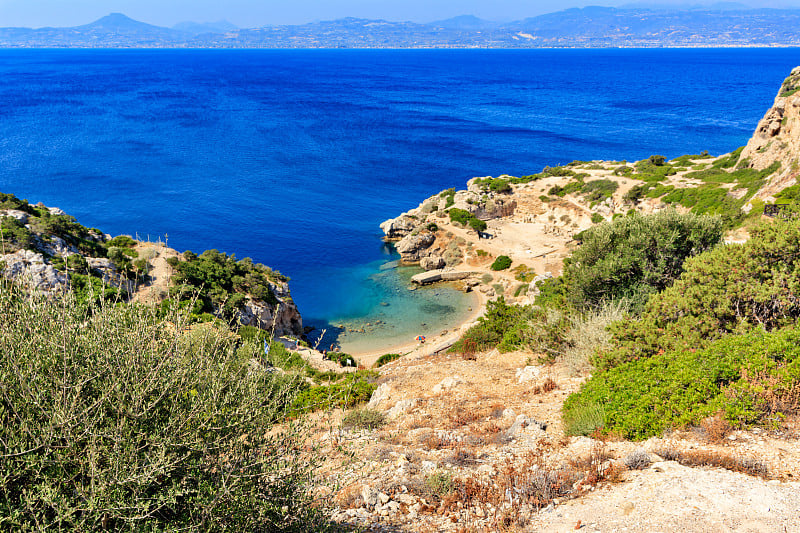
x=387, y=313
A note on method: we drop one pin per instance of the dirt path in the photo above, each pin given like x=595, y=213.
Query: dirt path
x=158, y=286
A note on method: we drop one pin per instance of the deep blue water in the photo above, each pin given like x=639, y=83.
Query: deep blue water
x=293, y=158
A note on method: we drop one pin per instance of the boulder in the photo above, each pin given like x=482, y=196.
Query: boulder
x=412, y=247
x=432, y=262
x=57, y=246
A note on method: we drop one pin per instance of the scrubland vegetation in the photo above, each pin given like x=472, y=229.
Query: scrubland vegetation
x=115, y=418
x=676, y=326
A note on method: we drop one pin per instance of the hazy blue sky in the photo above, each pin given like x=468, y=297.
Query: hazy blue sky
x=252, y=13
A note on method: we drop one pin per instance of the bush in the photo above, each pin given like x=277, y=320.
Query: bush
x=364, y=419
x=727, y=290
x=386, y=358
x=440, y=483
x=752, y=378
x=220, y=282
x=632, y=257
x=599, y=190
x=352, y=389
x=501, y=263
x=597, y=218
x=657, y=160
x=111, y=423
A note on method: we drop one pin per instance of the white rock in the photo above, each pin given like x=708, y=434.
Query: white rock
x=447, y=383
x=528, y=373
x=380, y=395
x=369, y=495
x=401, y=407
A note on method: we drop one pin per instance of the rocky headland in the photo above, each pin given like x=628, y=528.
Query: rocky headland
x=47, y=250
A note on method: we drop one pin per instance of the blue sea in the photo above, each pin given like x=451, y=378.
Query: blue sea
x=294, y=157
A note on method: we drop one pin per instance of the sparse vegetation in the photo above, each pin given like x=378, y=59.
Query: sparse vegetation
x=363, y=419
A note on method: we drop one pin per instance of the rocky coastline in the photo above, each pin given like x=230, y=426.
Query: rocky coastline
x=46, y=250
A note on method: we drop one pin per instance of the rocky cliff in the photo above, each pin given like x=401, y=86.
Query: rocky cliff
x=777, y=138
x=46, y=250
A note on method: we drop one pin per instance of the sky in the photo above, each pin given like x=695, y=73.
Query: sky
x=255, y=13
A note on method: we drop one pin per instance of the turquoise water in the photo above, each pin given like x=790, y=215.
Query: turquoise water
x=294, y=157
x=384, y=312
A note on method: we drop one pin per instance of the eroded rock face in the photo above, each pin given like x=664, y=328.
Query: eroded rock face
x=29, y=268
x=777, y=138
x=397, y=228
x=412, y=248
x=111, y=274
x=284, y=317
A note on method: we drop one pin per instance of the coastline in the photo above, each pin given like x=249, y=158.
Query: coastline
x=368, y=357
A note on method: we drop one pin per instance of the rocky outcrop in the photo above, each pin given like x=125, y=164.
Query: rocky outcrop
x=397, y=228
x=777, y=138
x=111, y=274
x=414, y=247
x=30, y=269
x=283, y=317
x=432, y=262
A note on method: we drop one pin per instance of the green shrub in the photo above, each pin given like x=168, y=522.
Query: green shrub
x=477, y=224
x=752, y=378
x=632, y=257
x=110, y=423
x=450, y=196
x=597, y=218
x=501, y=263
x=354, y=388
x=440, y=483
x=730, y=160
x=121, y=241
x=15, y=236
x=220, y=282
x=730, y=289
x=386, y=358
x=657, y=160
x=364, y=419
x=598, y=190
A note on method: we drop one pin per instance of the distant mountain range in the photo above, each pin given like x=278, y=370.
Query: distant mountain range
x=591, y=27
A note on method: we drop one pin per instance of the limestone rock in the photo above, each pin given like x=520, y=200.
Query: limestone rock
x=401, y=407
x=397, y=228
x=523, y=422
x=413, y=247
x=22, y=216
x=111, y=275
x=432, y=262
x=29, y=268
x=380, y=395
x=528, y=373
x=284, y=317
x=446, y=384
x=57, y=246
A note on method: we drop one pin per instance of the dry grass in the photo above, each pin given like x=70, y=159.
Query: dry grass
x=588, y=333
x=728, y=461
x=714, y=429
